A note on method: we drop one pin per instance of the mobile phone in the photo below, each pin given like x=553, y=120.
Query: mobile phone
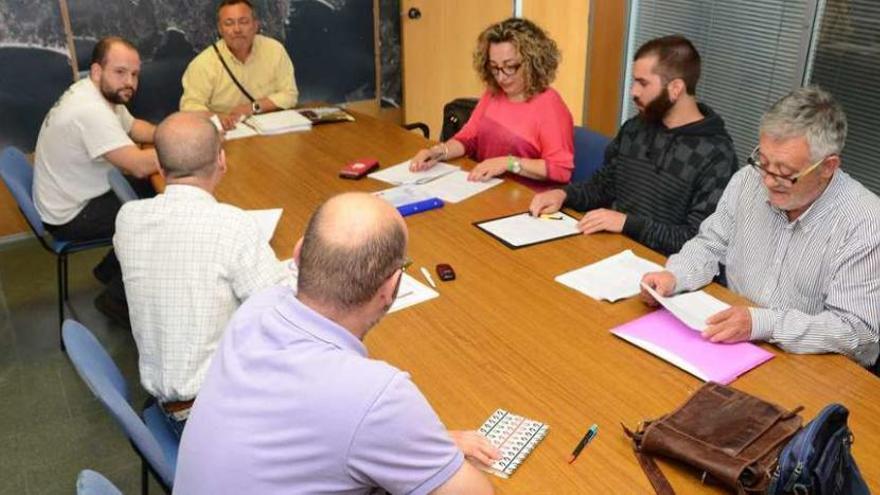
x=359, y=168
x=445, y=272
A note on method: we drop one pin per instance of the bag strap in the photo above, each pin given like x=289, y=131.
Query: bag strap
x=649, y=467
x=228, y=71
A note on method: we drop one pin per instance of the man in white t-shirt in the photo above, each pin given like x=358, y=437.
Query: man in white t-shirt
x=87, y=132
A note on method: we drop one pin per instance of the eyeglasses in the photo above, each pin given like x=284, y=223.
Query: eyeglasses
x=507, y=70
x=407, y=262
x=754, y=160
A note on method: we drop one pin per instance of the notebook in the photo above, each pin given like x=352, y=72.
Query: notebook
x=665, y=336
x=515, y=436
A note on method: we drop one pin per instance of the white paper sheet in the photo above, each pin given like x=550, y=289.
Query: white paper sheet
x=524, y=229
x=411, y=292
x=240, y=131
x=400, y=174
x=403, y=195
x=267, y=221
x=455, y=187
x=613, y=278
x=692, y=308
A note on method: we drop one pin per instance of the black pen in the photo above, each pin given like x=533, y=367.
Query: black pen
x=588, y=437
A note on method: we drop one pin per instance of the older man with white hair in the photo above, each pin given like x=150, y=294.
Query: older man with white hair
x=800, y=238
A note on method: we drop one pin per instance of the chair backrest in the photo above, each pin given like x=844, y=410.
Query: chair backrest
x=93, y=483
x=103, y=377
x=589, y=153
x=18, y=175
x=120, y=186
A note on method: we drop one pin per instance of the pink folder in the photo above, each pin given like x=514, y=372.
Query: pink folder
x=663, y=335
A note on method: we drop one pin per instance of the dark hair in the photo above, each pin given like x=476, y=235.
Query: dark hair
x=677, y=58
x=346, y=275
x=187, y=144
x=102, y=47
x=227, y=3
x=540, y=56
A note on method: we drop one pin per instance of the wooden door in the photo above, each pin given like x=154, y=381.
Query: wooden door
x=438, y=41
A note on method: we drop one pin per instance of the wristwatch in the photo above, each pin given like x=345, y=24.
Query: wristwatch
x=513, y=165
x=256, y=108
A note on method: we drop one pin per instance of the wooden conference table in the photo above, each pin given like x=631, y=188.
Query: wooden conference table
x=505, y=334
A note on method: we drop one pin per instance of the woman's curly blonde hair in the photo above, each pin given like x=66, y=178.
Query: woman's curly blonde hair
x=540, y=56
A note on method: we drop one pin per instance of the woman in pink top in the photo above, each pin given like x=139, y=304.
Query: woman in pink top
x=520, y=125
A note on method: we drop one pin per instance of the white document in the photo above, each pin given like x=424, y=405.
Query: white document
x=524, y=229
x=614, y=278
x=455, y=187
x=692, y=308
x=267, y=221
x=240, y=131
x=400, y=174
x=411, y=292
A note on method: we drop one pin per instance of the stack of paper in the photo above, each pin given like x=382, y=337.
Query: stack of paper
x=279, y=122
x=515, y=436
x=444, y=181
x=614, y=278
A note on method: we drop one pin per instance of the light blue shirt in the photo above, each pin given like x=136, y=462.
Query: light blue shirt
x=292, y=404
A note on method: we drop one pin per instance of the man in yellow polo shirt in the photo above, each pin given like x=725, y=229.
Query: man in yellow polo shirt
x=263, y=73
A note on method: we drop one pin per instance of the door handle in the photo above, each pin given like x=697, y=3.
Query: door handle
x=414, y=13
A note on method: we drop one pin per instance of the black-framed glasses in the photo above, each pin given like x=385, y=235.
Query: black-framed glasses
x=754, y=160
x=507, y=70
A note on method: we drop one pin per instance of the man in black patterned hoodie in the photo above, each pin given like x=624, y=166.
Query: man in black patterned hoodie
x=665, y=170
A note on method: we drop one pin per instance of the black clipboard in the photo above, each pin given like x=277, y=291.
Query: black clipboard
x=479, y=224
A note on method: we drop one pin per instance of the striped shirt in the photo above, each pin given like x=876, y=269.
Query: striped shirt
x=816, y=280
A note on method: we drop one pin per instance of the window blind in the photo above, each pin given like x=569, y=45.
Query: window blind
x=846, y=62
x=753, y=52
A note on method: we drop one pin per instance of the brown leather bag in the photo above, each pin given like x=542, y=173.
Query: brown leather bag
x=731, y=436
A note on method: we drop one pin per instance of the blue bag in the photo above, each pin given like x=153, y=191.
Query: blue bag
x=818, y=461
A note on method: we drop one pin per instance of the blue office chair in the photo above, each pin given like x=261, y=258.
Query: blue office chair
x=151, y=437
x=589, y=153
x=93, y=483
x=18, y=175
x=121, y=187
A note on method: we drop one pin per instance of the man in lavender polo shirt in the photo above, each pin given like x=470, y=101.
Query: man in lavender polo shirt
x=292, y=403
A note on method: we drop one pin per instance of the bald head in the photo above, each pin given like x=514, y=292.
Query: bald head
x=188, y=145
x=352, y=244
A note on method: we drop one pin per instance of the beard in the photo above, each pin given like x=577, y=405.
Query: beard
x=657, y=108
x=118, y=96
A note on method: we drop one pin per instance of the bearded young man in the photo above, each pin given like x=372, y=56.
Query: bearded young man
x=665, y=170
x=87, y=133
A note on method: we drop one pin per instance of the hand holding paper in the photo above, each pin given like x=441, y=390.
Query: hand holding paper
x=692, y=308
x=734, y=324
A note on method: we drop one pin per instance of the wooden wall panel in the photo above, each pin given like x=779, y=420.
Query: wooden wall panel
x=567, y=22
x=606, y=65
